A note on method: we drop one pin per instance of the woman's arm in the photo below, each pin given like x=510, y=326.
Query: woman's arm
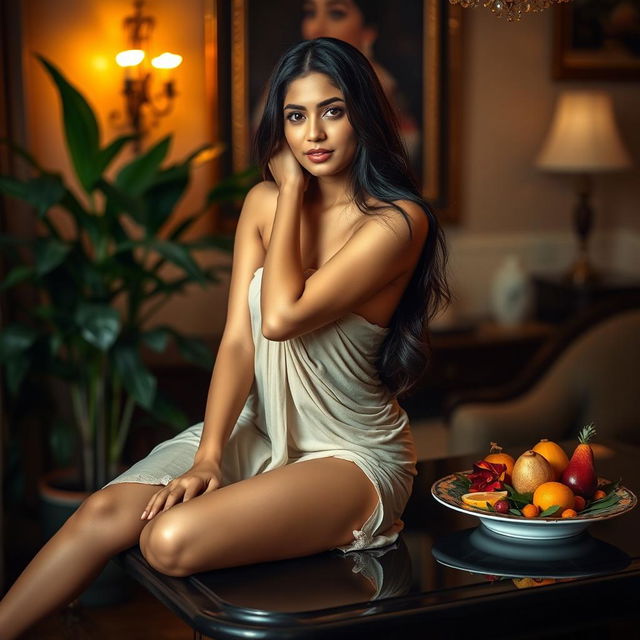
x=233, y=372
x=381, y=250
x=234, y=367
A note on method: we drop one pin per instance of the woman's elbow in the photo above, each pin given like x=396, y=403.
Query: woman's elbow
x=274, y=329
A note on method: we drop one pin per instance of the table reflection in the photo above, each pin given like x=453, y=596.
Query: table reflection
x=316, y=582
x=533, y=562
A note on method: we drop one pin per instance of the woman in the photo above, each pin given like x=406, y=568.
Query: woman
x=304, y=447
x=356, y=22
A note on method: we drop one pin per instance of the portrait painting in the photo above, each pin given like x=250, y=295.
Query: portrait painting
x=412, y=46
x=597, y=40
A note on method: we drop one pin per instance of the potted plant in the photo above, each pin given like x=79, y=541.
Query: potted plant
x=100, y=278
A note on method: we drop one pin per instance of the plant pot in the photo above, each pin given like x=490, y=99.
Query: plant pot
x=59, y=498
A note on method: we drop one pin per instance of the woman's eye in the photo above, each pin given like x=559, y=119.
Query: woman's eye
x=294, y=116
x=334, y=112
x=337, y=15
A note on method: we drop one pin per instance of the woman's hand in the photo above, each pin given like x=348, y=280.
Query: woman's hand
x=203, y=477
x=286, y=170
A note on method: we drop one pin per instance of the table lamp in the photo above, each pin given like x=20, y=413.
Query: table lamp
x=583, y=140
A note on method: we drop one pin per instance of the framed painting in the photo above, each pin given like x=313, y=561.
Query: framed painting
x=416, y=53
x=597, y=40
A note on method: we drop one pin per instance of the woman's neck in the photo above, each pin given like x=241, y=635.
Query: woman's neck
x=328, y=192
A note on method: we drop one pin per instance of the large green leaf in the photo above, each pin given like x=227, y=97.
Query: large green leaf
x=137, y=176
x=50, y=252
x=16, y=369
x=163, y=195
x=45, y=191
x=234, y=187
x=22, y=153
x=136, y=378
x=194, y=350
x=121, y=201
x=108, y=153
x=18, y=274
x=156, y=339
x=15, y=339
x=99, y=324
x=80, y=127
x=14, y=187
x=178, y=255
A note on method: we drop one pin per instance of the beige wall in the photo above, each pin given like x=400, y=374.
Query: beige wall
x=508, y=102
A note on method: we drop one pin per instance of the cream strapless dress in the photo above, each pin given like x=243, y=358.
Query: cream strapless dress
x=314, y=396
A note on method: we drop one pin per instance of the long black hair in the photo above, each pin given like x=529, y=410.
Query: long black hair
x=380, y=169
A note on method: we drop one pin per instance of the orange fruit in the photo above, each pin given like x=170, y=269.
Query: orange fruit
x=530, y=511
x=549, y=494
x=579, y=503
x=498, y=457
x=599, y=494
x=554, y=454
x=480, y=498
x=569, y=513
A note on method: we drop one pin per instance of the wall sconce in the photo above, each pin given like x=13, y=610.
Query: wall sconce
x=143, y=107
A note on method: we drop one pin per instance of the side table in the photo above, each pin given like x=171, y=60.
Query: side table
x=557, y=299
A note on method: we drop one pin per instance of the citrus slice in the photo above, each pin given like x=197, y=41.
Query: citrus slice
x=481, y=498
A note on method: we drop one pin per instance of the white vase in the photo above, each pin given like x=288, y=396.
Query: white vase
x=511, y=294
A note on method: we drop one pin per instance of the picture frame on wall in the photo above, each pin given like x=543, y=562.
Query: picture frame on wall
x=416, y=54
x=597, y=40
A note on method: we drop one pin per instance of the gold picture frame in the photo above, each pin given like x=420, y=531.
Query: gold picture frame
x=595, y=40
x=440, y=36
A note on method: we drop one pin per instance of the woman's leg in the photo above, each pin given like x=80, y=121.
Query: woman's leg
x=106, y=523
x=296, y=510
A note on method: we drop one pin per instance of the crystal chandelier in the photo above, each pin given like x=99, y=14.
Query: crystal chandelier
x=512, y=10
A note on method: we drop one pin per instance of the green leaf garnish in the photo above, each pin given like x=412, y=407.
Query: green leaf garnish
x=518, y=498
x=549, y=511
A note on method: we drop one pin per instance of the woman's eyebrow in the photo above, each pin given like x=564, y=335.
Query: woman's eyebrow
x=324, y=103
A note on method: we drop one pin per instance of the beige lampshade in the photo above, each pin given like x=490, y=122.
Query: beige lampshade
x=583, y=137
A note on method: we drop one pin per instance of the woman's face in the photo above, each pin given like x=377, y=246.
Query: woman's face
x=316, y=125
x=340, y=19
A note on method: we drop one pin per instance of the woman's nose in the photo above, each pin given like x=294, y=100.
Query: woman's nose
x=315, y=130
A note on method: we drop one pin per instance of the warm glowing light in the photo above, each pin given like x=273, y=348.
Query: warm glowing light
x=167, y=60
x=130, y=57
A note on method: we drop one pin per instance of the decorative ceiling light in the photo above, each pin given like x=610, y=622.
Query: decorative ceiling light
x=142, y=106
x=512, y=10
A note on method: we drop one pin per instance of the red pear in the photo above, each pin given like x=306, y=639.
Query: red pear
x=580, y=474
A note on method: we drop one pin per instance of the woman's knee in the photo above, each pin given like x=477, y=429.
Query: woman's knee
x=165, y=544
x=103, y=516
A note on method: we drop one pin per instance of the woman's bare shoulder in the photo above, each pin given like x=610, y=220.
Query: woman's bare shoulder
x=260, y=205
x=264, y=193
x=390, y=216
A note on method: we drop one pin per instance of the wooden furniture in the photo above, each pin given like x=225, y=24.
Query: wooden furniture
x=405, y=591
x=479, y=355
x=557, y=299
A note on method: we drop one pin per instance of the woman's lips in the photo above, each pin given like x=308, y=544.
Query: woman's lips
x=322, y=155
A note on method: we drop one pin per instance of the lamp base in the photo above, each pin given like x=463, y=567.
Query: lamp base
x=582, y=272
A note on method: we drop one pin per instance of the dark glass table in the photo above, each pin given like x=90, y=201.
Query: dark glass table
x=587, y=584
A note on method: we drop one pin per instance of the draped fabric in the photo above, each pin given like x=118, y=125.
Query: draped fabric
x=313, y=396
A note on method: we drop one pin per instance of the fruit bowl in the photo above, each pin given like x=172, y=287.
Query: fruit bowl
x=447, y=493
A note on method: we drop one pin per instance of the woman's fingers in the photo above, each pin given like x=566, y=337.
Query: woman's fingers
x=178, y=490
x=152, y=505
x=174, y=496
